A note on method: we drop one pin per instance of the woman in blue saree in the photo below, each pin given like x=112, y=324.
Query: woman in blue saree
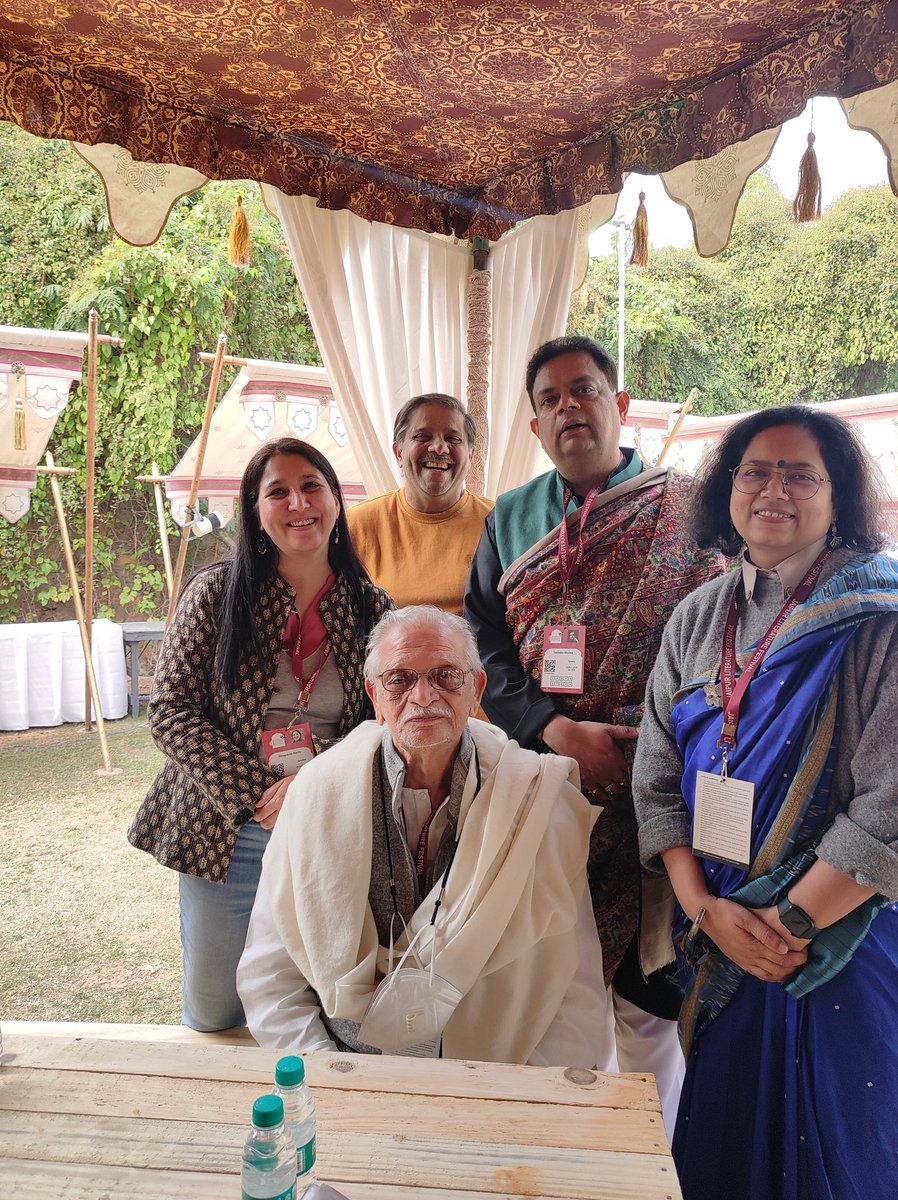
x=766, y=787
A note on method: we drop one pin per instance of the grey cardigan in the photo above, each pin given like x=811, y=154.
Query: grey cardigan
x=862, y=842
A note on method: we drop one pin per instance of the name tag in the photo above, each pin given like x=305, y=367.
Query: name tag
x=564, y=655
x=285, y=750
x=722, y=821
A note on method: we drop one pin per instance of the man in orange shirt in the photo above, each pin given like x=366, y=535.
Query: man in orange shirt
x=417, y=542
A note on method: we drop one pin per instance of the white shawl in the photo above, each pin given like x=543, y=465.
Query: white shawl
x=506, y=931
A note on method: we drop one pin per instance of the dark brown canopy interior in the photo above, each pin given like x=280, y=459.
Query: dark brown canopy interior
x=446, y=115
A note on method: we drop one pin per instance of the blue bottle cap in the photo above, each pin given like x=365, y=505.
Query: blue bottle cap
x=289, y=1071
x=268, y=1111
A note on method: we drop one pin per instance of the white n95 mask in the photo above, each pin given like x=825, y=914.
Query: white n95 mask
x=410, y=1008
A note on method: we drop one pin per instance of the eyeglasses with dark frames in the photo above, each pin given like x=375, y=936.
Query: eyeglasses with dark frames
x=400, y=680
x=799, y=484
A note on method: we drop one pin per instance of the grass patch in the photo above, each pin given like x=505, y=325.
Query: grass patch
x=90, y=925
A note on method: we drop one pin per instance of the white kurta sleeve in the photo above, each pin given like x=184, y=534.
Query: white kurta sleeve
x=281, y=1008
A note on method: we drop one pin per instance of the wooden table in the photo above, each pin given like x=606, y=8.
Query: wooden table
x=137, y=635
x=88, y=1117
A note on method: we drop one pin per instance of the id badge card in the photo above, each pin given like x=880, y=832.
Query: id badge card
x=285, y=750
x=722, y=821
x=564, y=656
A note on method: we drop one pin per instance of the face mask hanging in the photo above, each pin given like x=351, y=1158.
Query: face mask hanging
x=411, y=1006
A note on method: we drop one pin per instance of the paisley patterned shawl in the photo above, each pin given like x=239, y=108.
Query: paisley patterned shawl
x=788, y=746
x=638, y=564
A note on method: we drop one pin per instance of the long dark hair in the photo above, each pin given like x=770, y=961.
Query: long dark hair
x=252, y=567
x=857, y=486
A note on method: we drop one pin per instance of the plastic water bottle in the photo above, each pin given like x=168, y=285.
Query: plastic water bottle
x=269, y=1160
x=299, y=1116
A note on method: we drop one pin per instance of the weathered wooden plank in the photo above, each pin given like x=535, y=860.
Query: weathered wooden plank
x=75, y=1181
x=390, y=1191
x=46, y=1119
x=238, y=1036
x=397, y=1159
x=411, y=1161
x=36, y=1181
x=380, y=1073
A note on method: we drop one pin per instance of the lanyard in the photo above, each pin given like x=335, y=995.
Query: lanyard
x=569, y=560
x=421, y=856
x=471, y=788
x=307, y=686
x=733, y=691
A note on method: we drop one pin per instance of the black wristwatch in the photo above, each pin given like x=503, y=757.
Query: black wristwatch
x=796, y=920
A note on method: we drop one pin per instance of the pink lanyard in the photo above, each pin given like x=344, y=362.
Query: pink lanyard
x=569, y=560
x=733, y=691
x=307, y=686
x=421, y=856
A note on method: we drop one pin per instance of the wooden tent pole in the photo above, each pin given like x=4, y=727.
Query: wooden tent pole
x=94, y=691
x=681, y=416
x=163, y=529
x=157, y=481
x=93, y=320
x=479, y=320
x=198, y=469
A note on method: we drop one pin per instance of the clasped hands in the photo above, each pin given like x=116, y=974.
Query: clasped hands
x=595, y=747
x=754, y=939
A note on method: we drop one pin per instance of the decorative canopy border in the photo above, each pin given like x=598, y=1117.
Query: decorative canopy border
x=640, y=103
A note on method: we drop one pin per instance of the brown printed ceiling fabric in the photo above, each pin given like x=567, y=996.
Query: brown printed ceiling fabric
x=448, y=116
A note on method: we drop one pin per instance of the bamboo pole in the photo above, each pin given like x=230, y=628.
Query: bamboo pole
x=681, y=416
x=198, y=469
x=157, y=480
x=227, y=360
x=94, y=691
x=93, y=320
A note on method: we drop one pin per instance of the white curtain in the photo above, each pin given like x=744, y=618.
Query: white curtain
x=533, y=276
x=387, y=306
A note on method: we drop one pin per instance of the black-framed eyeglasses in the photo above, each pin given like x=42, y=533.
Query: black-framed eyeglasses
x=798, y=484
x=400, y=680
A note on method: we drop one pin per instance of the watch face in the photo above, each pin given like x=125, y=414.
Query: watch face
x=796, y=920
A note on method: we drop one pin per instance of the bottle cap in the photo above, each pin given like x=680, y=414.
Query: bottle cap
x=289, y=1071
x=268, y=1111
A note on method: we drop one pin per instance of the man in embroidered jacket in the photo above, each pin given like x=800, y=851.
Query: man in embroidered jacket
x=636, y=564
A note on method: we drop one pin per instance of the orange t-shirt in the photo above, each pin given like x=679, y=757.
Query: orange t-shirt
x=418, y=558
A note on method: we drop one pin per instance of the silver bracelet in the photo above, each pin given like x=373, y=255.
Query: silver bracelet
x=696, y=924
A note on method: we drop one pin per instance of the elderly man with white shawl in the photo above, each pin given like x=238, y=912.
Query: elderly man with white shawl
x=424, y=891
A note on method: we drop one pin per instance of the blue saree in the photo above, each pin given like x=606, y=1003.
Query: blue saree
x=791, y=1090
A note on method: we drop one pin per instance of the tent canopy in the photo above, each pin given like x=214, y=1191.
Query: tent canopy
x=267, y=400
x=446, y=116
x=37, y=370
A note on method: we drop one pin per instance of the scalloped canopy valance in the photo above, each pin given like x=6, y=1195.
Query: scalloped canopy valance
x=449, y=116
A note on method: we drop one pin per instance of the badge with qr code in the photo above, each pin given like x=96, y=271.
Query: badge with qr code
x=564, y=656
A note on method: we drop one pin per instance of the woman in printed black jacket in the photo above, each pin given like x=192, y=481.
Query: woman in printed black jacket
x=261, y=667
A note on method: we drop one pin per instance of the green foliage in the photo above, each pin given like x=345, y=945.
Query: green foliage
x=785, y=313
x=168, y=302
x=52, y=221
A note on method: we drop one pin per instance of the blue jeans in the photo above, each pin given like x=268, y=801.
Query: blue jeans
x=214, y=921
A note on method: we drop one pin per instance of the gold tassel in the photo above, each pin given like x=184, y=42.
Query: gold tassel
x=640, y=255
x=240, y=251
x=19, y=426
x=806, y=206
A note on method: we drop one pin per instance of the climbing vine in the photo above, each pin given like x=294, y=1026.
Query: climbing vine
x=167, y=302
